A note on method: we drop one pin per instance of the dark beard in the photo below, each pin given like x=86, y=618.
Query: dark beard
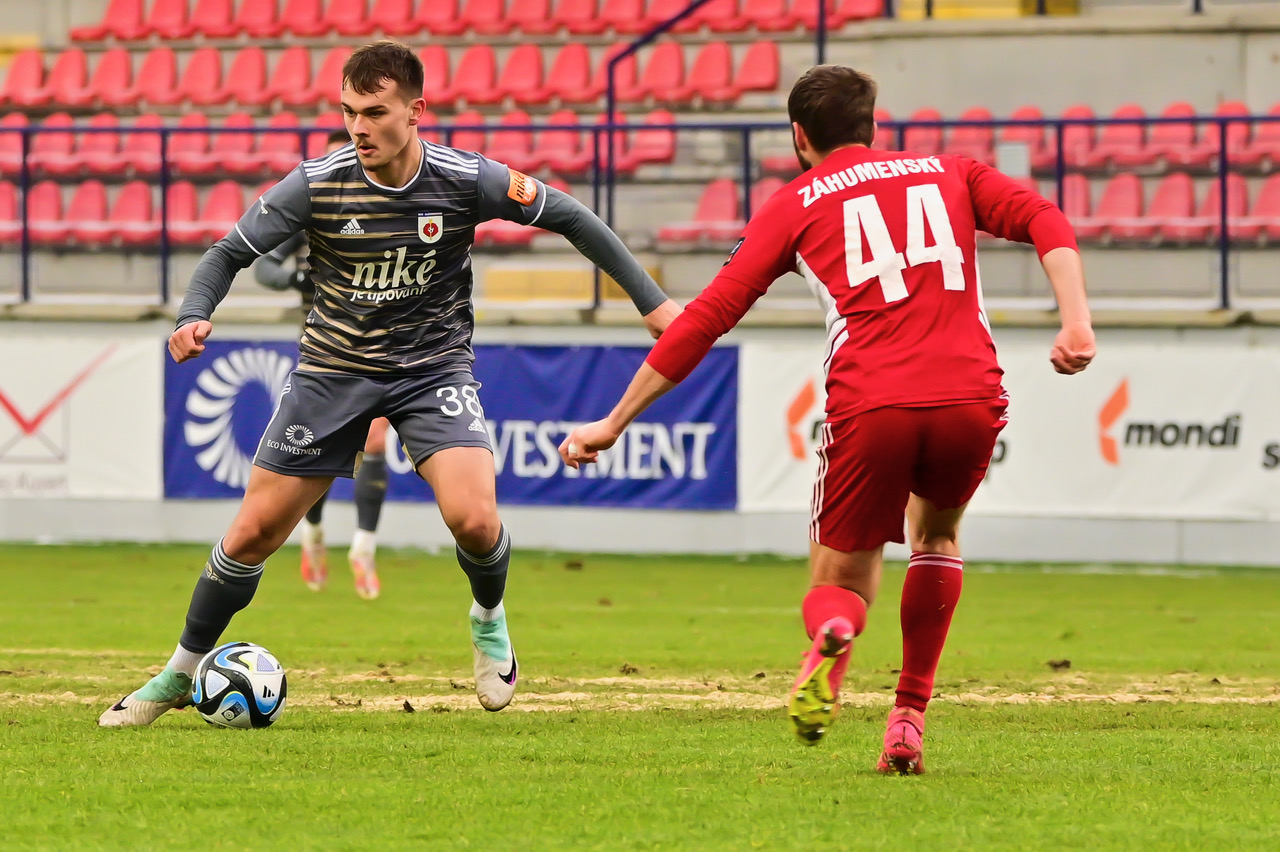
x=804, y=164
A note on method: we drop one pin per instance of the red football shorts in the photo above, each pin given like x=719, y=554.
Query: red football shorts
x=871, y=463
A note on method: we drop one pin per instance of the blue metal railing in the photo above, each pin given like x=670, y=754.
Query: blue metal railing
x=604, y=156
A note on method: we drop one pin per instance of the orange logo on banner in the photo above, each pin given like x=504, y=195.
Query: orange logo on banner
x=523, y=189
x=1107, y=417
x=796, y=412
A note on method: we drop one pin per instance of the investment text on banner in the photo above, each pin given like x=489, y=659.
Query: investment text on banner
x=79, y=417
x=681, y=454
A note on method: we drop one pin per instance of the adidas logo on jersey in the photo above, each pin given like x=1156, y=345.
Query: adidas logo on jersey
x=352, y=227
x=477, y=425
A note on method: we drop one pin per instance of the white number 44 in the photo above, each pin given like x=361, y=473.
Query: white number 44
x=862, y=218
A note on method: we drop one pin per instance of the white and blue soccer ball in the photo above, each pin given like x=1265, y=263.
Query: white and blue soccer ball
x=239, y=685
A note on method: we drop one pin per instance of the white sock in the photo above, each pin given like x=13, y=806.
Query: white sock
x=364, y=542
x=185, y=661
x=479, y=613
x=312, y=534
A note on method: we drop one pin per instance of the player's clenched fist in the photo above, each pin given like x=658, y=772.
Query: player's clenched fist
x=584, y=444
x=1073, y=348
x=660, y=317
x=188, y=342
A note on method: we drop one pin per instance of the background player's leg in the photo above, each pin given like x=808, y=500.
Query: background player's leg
x=463, y=481
x=315, y=561
x=371, y=491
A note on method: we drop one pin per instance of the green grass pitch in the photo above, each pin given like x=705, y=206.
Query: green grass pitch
x=650, y=712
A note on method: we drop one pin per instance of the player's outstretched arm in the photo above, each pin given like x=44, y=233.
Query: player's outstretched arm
x=1074, y=346
x=585, y=442
x=279, y=214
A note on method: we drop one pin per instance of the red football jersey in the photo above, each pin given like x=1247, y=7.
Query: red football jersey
x=886, y=242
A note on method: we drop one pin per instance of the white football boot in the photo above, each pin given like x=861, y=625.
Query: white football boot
x=495, y=660
x=166, y=691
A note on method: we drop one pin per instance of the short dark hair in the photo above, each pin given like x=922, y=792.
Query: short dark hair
x=338, y=136
x=370, y=65
x=834, y=105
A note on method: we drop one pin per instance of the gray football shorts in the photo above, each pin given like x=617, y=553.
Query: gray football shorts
x=322, y=419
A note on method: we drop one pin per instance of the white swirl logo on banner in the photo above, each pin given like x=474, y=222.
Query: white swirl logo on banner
x=211, y=408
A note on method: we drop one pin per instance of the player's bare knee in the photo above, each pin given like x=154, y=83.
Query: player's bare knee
x=251, y=540
x=476, y=531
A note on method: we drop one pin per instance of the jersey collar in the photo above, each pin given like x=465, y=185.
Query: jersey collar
x=391, y=190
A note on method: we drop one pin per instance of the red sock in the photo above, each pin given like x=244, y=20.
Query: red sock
x=929, y=598
x=826, y=602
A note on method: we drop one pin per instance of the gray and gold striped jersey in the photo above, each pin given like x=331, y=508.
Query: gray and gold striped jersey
x=392, y=267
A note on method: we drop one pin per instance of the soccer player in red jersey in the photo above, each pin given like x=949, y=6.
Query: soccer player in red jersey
x=914, y=401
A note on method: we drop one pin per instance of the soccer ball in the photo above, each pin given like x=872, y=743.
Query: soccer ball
x=239, y=685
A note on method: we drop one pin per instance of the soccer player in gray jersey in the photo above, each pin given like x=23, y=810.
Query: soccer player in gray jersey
x=391, y=222
x=272, y=271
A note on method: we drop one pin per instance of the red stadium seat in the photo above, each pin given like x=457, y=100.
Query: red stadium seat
x=66, y=84
x=112, y=78
x=661, y=10
x=122, y=20
x=54, y=152
x=1171, y=210
x=168, y=20
x=570, y=77
x=11, y=142
x=763, y=190
x=213, y=19
x=562, y=150
x=133, y=221
x=625, y=81
x=769, y=16
x=1118, y=215
x=532, y=16
x=717, y=217
x=182, y=214
x=189, y=152
x=201, y=83
x=886, y=138
x=347, y=18
x=259, y=19
x=924, y=140
x=223, y=207
x=303, y=17
x=44, y=214
x=246, y=81
x=318, y=140
x=721, y=16
x=428, y=127
x=513, y=147
x=99, y=153
x=86, y=217
x=619, y=142
x=624, y=16
x=280, y=152
x=157, y=80
x=1169, y=143
x=326, y=87
x=522, y=76
x=486, y=17
x=1263, y=151
x=1077, y=139
x=140, y=152
x=468, y=140
x=440, y=17
x=711, y=77
x=1237, y=206
x=10, y=216
x=394, y=17
x=25, y=78
x=1119, y=142
x=759, y=69
x=1263, y=222
x=1076, y=198
x=650, y=145
x=579, y=17
x=234, y=152
x=663, y=77
x=1237, y=133
x=838, y=13
x=1029, y=135
x=474, y=80
x=291, y=80
x=975, y=141
x=435, y=75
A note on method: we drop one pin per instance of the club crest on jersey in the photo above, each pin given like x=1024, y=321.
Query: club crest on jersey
x=430, y=227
